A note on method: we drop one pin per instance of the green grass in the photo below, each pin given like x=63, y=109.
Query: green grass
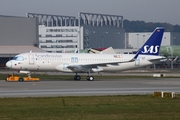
x=134, y=107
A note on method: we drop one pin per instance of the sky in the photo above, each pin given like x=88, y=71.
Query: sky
x=167, y=11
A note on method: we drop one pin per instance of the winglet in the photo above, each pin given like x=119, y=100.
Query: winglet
x=152, y=45
x=76, y=51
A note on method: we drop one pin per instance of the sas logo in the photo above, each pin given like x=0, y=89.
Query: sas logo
x=151, y=49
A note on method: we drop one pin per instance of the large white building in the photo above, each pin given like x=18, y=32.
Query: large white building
x=136, y=40
x=58, y=39
x=66, y=33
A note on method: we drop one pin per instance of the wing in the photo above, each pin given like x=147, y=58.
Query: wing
x=93, y=67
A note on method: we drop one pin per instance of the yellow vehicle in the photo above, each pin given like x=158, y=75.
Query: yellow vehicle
x=20, y=79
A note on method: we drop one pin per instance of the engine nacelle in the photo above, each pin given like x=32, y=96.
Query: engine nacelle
x=78, y=68
x=63, y=68
x=97, y=69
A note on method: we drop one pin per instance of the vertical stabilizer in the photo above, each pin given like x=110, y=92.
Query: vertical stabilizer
x=153, y=44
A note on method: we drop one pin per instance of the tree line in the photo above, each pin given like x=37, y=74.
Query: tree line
x=141, y=26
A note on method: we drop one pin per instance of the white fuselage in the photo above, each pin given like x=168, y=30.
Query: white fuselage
x=60, y=61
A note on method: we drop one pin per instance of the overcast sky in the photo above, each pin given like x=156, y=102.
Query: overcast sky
x=146, y=10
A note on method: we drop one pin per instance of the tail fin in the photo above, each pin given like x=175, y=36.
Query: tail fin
x=153, y=44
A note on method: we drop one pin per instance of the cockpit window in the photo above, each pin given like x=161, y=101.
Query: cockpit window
x=18, y=58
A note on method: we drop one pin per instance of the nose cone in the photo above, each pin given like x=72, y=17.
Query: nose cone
x=9, y=64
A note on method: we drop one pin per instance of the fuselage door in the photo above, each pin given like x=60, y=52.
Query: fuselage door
x=137, y=62
x=74, y=59
x=31, y=59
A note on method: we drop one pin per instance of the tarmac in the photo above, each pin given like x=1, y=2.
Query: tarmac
x=53, y=88
x=127, y=86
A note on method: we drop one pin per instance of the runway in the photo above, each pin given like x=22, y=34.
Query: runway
x=88, y=88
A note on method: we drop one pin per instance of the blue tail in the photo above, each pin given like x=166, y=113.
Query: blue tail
x=153, y=44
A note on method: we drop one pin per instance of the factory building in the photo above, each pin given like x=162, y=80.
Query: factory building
x=136, y=40
x=67, y=33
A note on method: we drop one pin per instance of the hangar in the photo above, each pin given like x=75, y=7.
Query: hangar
x=17, y=35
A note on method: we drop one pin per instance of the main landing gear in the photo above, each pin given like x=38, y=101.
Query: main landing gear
x=88, y=78
x=77, y=77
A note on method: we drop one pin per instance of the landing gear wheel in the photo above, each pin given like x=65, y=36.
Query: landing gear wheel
x=77, y=77
x=90, y=78
x=87, y=78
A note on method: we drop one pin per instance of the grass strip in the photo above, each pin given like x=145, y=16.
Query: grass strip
x=124, y=107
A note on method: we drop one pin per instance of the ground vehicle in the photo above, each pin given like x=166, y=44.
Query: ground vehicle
x=13, y=77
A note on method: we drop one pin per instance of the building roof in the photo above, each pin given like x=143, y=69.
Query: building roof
x=5, y=50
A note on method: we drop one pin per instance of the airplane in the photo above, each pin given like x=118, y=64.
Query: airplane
x=90, y=63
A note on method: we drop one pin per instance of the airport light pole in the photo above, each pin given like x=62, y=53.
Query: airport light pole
x=143, y=38
x=79, y=23
x=172, y=58
x=137, y=40
x=102, y=41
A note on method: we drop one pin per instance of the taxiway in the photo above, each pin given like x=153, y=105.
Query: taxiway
x=88, y=88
